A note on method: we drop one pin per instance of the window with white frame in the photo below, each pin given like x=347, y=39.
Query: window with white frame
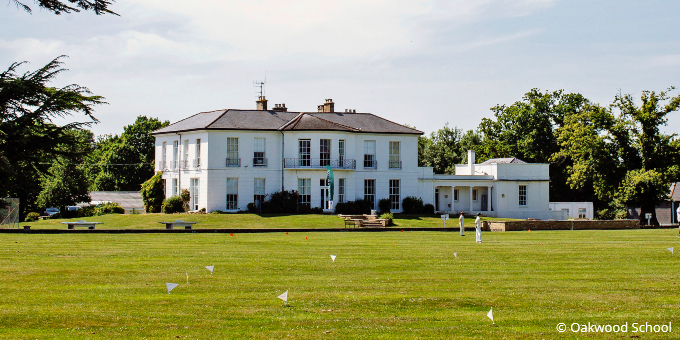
x=455, y=195
x=259, y=155
x=193, y=187
x=395, y=161
x=232, y=193
x=164, y=156
x=341, y=190
x=369, y=154
x=582, y=213
x=174, y=187
x=369, y=191
x=197, y=160
x=324, y=152
x=341, y=153
x=258, y=191
x=474, y=195
x=305, y=190
x=304, y=152
x=522, y=195
x=232, y=152
x=175, y=154
x=394, y=194
x=185, y=160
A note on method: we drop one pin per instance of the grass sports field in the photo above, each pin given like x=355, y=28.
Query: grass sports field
x=390, y=285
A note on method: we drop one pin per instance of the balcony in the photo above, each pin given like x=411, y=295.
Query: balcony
x=233, y=162
x=395, y=164
x=260, y=162
x=184, y=164
x=162, y=166
x=175, y=165
x=197, y=163
x=316, y=163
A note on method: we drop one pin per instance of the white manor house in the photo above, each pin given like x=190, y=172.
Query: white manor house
x=229, y=158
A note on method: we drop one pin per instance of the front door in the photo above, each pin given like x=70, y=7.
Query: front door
x=485, y=203
x=436, y=199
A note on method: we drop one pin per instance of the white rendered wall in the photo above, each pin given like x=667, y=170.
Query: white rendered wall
x=573, y=208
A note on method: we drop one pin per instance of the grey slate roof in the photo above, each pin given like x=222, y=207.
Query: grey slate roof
x=511, y=160
x=675, y=192
x=287, y=121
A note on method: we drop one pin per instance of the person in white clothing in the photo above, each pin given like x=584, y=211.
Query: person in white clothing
x=478, y=228
x=461, y=222
x=678, y=220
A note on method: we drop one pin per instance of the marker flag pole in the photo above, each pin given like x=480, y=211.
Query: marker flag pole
x=671, y=250
x=187, y=278
x=171, y=286
x=333, y=258
x=490, y=315
x=210, y=268
x=455, y=255
x=284, y=297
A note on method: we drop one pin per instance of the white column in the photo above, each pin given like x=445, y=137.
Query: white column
x=471, y=198
x=488, y=197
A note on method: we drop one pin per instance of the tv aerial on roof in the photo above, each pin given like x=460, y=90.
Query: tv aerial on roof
x=260, y=84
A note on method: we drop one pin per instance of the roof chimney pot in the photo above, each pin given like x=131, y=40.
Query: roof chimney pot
x=261, y=103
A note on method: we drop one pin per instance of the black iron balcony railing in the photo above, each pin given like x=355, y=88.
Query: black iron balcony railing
x=233, y=162
x=316, y=163
x=260, y=161
x=162, y=166
x=395, y=164
x=197, y=163
x=175, y=165
x=370, y=164
x=184, y=164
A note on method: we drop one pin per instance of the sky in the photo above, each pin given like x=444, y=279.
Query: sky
x=421, y=63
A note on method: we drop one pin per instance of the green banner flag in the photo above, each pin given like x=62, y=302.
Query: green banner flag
x=330, y=181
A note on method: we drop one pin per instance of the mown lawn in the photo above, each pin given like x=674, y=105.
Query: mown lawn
x=382, y=285
x=210, y=221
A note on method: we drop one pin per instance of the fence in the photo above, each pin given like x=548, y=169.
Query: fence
x=9, y=212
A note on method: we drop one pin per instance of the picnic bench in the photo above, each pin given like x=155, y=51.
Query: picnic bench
x=178, y=223
x=81, y=223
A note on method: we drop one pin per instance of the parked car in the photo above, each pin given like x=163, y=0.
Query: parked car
x=72, y=208
x=51, y=211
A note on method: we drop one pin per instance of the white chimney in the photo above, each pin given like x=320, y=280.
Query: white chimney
x=471, y=161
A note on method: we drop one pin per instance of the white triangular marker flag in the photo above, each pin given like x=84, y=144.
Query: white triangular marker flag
x=671, y=250
x=284, y=297
x=187, y=278
x=210, y=268
x=490, y=315
x=455, y=255
x=333, y=258
x=171, y=286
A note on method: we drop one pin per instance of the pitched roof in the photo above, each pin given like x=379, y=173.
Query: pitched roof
x=286, y=121
x=511, y=160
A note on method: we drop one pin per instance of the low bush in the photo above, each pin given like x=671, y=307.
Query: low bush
x=317, y=210
x=108, y=208
x=357, y=207
x=217, y=212
x=252, y=207
x=304, y=208
x=281, y=202
x=87, y=211
x=32, y=217
x=412, y=205
x=384, y=205
x=387, y=216
x=172, y=205
x=428, y=209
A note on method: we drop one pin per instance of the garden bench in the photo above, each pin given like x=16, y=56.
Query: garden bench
x=81, y=223
x=178, y=223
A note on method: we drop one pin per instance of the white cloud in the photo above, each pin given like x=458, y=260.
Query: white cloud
x=32, y=48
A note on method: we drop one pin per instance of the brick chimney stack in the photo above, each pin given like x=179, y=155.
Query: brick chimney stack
x=261, y=104
x=328, y=106
x=280, y=107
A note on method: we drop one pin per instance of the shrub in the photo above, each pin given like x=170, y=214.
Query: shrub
x=252, y=207
x=152, y=193
x=108, y=208
x=384, y=205
x=304, y=208
x=428, y=209
x=217, y=212
x=412, y=205
x=32, y=217
x=317, y=210
x=172, y=205
x=87, y=211
x=202, y=211
x=186, y=197
x=281, y=202
x=387, y=216
x=357, y=207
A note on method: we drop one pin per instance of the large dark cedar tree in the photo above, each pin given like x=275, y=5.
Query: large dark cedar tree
x=29, y=140
x=58, y=7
